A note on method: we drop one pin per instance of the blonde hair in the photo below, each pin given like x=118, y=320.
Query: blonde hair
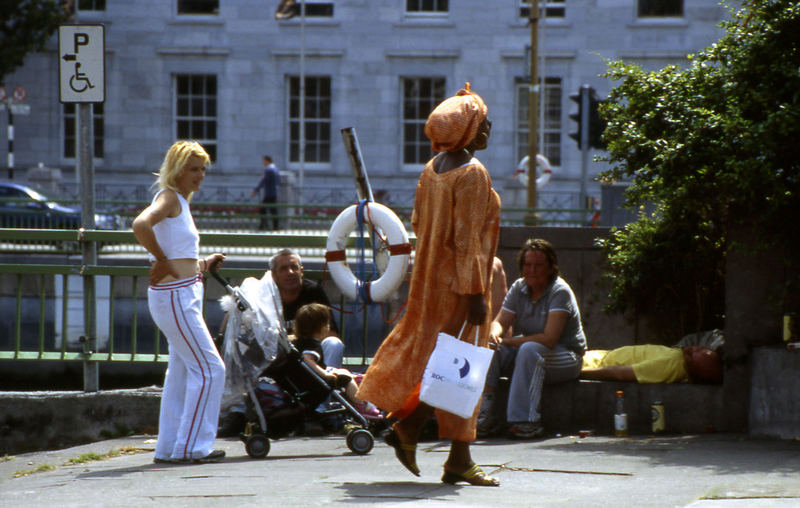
x=174, y=162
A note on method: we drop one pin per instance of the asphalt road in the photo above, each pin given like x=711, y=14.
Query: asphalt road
x=706, y=471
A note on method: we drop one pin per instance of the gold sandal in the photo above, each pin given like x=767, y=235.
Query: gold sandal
x=473, y=476
x=400, y=449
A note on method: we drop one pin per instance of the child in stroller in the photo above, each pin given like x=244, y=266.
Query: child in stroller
x=312, y=324
x=283, y=391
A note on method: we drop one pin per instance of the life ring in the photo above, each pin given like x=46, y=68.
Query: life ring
x=521, y=174
x=398, y=246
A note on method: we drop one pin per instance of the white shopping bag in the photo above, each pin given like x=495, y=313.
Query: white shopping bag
x=455, y=375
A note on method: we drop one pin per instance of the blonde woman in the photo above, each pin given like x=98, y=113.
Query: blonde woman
x=195, y=373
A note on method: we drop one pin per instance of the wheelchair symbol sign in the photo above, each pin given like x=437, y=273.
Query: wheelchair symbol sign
x=81, y=63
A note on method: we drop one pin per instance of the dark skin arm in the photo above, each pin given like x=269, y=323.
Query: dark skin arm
x=476, y=310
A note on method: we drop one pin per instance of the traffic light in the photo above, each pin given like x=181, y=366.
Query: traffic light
x=588, y=119
x=596, y=124
x=578, y=117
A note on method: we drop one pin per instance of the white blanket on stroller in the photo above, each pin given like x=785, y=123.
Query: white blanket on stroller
x=251, y=337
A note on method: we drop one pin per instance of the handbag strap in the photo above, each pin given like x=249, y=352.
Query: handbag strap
x=477, y=328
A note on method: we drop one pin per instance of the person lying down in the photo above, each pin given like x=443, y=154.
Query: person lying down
x=651, y=363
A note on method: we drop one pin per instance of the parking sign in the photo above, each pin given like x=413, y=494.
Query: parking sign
x=81, y=63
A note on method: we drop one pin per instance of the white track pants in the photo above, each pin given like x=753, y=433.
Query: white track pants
x=195, y=374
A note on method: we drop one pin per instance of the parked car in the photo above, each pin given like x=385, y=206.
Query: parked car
x=23, y=207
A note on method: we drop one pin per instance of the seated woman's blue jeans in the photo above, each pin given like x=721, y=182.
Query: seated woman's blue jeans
x=530, y=366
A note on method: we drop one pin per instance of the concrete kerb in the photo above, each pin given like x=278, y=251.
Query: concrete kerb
x=48, y=420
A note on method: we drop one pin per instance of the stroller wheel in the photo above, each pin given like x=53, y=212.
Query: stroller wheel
x=257, y=446
x=360, y=441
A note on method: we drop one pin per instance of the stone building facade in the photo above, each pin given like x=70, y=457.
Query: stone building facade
x=227, y=73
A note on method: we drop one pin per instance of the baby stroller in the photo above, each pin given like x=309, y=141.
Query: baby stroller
x=282, y=391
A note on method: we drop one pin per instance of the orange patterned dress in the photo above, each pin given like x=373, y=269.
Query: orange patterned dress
x=457, y=220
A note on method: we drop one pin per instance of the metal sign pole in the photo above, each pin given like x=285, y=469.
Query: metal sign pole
x=91, y=371
x=10, y=143
x=302, y=111
x=81, y=66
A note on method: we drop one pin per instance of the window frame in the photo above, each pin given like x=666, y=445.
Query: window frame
x=70, y=123
x=417, y=123
x=553, y=122
x=315, y=10
x=656, y=16
x=209, y=143
x=181, y=12
x=549, y=9
x=321, y=125
x=420, y=11
x=94, y=6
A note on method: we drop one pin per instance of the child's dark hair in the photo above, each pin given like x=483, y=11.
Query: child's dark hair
x=310, y=318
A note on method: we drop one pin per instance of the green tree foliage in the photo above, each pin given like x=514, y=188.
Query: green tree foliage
x=26, y=25
x=716, y=141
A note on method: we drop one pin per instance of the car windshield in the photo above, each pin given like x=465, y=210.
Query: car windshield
x=41, y=198
x=38, y=196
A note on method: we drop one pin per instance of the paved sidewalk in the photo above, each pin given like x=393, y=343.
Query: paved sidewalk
x=707, y=471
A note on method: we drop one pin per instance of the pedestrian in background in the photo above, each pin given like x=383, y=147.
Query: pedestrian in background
x=195, y=378
x=268, y=185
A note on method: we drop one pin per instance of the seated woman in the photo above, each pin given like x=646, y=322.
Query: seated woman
x=548, y=345
x=650, y=363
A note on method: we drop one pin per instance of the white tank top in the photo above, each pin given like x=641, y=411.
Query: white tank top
x=177, y=236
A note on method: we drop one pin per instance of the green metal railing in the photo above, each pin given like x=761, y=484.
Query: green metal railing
x=34, y=290
x=243, y=217
x=39, y=289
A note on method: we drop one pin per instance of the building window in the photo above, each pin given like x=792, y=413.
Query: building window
x=198, y=7
x=196, y=110
x=426, y=6
x=288, y=9
x=91, y=5
x=420, y=96
x=71, y=130
x=660, y=9
x=548, y=8
x=551, y=130
x=317, y=119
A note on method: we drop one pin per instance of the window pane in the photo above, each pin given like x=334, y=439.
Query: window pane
x=196, y=109
x=319, y=9
x=70, y=129
x=92, y=5
x=660, y=8
x=551, y=130
x=548, y=9
x=211, y=148
x=426, y=6
x=183, y=129
x=317, y=112
x=198, y=6
x=420, y=97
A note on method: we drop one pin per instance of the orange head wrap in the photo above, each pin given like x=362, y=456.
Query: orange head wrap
x=454, y=122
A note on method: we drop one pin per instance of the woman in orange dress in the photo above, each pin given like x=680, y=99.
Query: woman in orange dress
x=456, y=219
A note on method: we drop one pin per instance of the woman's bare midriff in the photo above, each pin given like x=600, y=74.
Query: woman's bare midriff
x=185, y=268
